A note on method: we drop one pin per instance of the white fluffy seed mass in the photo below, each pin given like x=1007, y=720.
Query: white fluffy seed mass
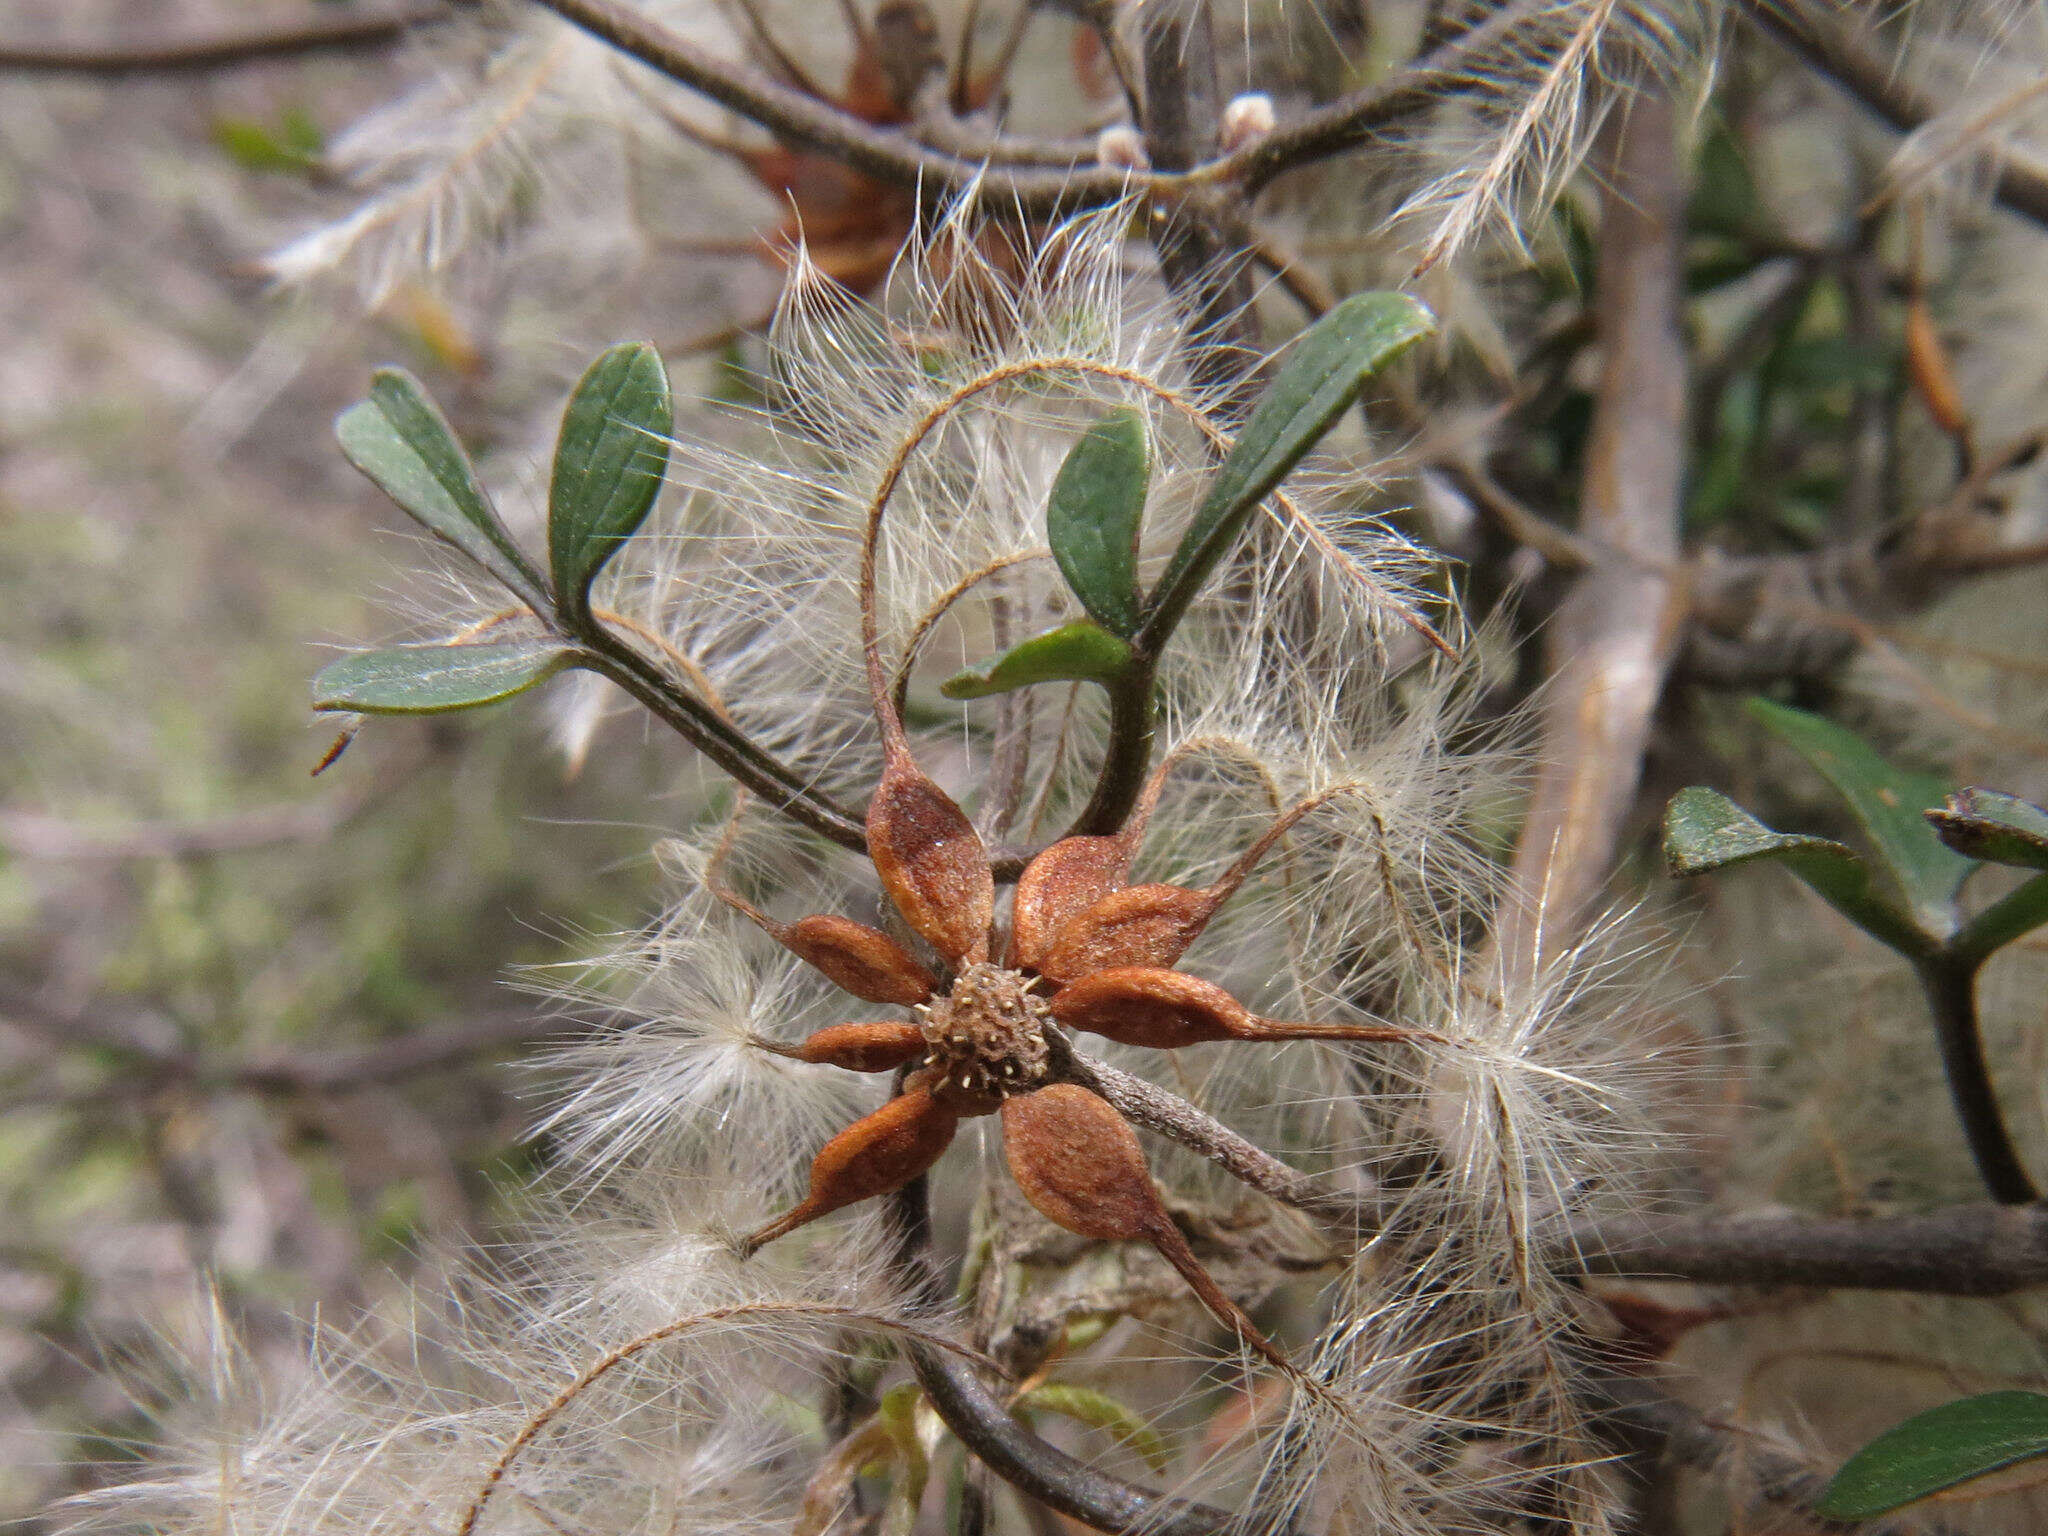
x=622, y=1371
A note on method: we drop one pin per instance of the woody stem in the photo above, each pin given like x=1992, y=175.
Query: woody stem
x=1167, y=1114
x=982, y=1423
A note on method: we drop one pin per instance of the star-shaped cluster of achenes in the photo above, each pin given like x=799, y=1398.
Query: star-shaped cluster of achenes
x=1086, y=950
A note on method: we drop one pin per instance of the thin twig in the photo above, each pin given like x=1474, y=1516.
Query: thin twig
x=807, y=122
x=1877, y=83
x=1028, y=193
x=224, y=49
x=701, y=725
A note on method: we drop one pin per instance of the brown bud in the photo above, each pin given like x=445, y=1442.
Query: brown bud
x=931, y=861
x=876, y=1154
x=1081, y=1166
x=1145, y=1005
x=1927, y=363
x=1063, y=881
x=863, y=960
x=878, y=1047
x=1139, y=925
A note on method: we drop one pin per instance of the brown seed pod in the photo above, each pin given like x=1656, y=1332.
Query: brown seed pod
x=876, y=1154
x=863, y=960
x=1062, y=882
x=930, y=860
x=1146, y=1005
x=1138, y=925
x=879, y=1047
x=1081, y=1166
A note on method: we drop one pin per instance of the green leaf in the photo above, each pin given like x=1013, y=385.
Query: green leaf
x=1100, y=1411
x=434, y=679
x=1082, y=651
x=1092, y=518
x=1705, y=831
x=400, y=440
x=1325, y=369
x=1887, y=802
x=609, y=464
x=1938, y=1449
x=294, y=148
x=1993, y=827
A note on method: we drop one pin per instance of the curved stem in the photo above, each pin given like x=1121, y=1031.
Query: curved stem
x=1126, y=756
x=1951, y=988
x=980, y=1420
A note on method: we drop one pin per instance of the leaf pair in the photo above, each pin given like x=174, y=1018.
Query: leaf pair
x=1095, y=513
x=610, y=459
x=1906, y=897
x=1926, y=844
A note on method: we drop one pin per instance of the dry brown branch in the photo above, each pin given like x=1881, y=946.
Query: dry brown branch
x=1964, y=1250
x=1011, y=177
x=225, y=48
x=152, y=1044
x=805, y=121
x=1807, y=28
x=1612, y=640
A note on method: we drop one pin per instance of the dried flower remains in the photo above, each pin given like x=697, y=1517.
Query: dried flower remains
x=1085, y=949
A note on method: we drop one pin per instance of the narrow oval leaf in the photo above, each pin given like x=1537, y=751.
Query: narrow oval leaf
x=1078, y=652
x=609, y=464
x=1705, y=831
x=1937, y=1450
x=433, y=679
x=1098, y=1410
x=401, y=441
x=1325, y=369
x=1887, y=803
x=1994, y=827
x=1092, y=517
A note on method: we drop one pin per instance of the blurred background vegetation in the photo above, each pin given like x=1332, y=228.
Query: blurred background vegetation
x=257, y=1026
x=207, y=956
